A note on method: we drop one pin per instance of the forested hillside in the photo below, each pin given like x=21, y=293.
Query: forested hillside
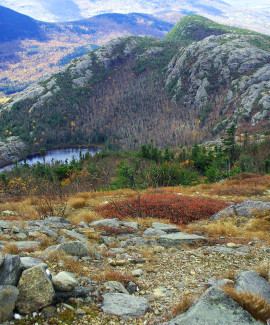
x=188, y=87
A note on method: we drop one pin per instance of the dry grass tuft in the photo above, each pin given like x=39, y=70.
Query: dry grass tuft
x=24, y=210
x=249, y=228
x=77, y=202
x=70, y=263
x=186, y=301
x=263, y=269
x=111, y=275
x=11, y=248
x=86, y=216
x=253, y=303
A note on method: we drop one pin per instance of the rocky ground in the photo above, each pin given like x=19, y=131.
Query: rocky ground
x=120, y=272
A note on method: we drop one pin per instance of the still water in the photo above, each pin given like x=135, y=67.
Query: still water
x=54, y=155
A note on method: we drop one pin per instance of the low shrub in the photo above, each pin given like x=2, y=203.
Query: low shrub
x=178, y=209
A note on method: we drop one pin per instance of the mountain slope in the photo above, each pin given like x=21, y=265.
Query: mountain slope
x=135, y=90
x=16, y=26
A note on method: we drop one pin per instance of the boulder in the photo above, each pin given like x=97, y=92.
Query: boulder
x=106, y=222
x=10, y=270
x=180, y=239
x=65, y=281
x=215, y=307
x=28, y=262
x=124, y=305
x=8, y=297
x=251, y=282
x=79, y=292
x=35, y=290
x=153, y=232
x=27, y=245
x=75, y=248
x=1, y=260
x=244, y=209
x=165, y=227
x=74, y=234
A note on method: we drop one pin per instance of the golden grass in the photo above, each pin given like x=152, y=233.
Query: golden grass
x=263, y=269
x=11, y=248
x=185, y=302
x=24, y=209
x=77, y=202
x=253, y=303
x=86, y=216
x=249, y=228
x=70, y=263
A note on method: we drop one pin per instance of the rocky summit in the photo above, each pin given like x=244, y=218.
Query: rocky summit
x=189, y=86
x=125, y=272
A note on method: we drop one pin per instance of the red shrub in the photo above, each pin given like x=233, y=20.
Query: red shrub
x=178, y=209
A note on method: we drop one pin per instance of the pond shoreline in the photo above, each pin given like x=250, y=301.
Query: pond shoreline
x=91, y=148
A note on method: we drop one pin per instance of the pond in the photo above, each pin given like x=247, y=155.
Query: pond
x=63, y=155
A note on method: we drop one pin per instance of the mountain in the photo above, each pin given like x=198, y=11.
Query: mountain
x=190, y=86
x=248, y=14
x=31, y=50
x=16, y=26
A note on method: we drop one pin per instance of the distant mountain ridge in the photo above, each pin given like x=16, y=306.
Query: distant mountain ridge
x=253, y=15
x=30, y=50
x=190, y=86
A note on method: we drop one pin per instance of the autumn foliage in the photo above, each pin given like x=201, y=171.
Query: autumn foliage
x=179, y=209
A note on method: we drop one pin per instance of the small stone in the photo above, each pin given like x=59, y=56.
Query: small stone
x=80, y=312
x=232, y=245
x=65, y=281
x=118, y=262
x=137, y=273
x=115, y=286
x=162, y=292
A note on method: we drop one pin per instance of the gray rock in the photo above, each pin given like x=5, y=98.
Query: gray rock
x=180, y=239
x=137, y=273
x=8, y=297
x=130, y=224
x=106, y=222
x=21, y=235
x=83, y=225
x=115, y=286
x=10, y=270
x=165, y=227
x=153, y=232
x=225, y=250
x=108, y=240
x=117, y=250
x=35, y=290
x=244, y=209
x=74, y=234
x=215, y=307
x=79, y=292
x=28, y=262
x=27, y=245
x=250, y=281
x=58, y=220
x=5, y=224
x=75, y=248
x=48, y=312
x=124, y=305
x=132, y=287
x=65, y=281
